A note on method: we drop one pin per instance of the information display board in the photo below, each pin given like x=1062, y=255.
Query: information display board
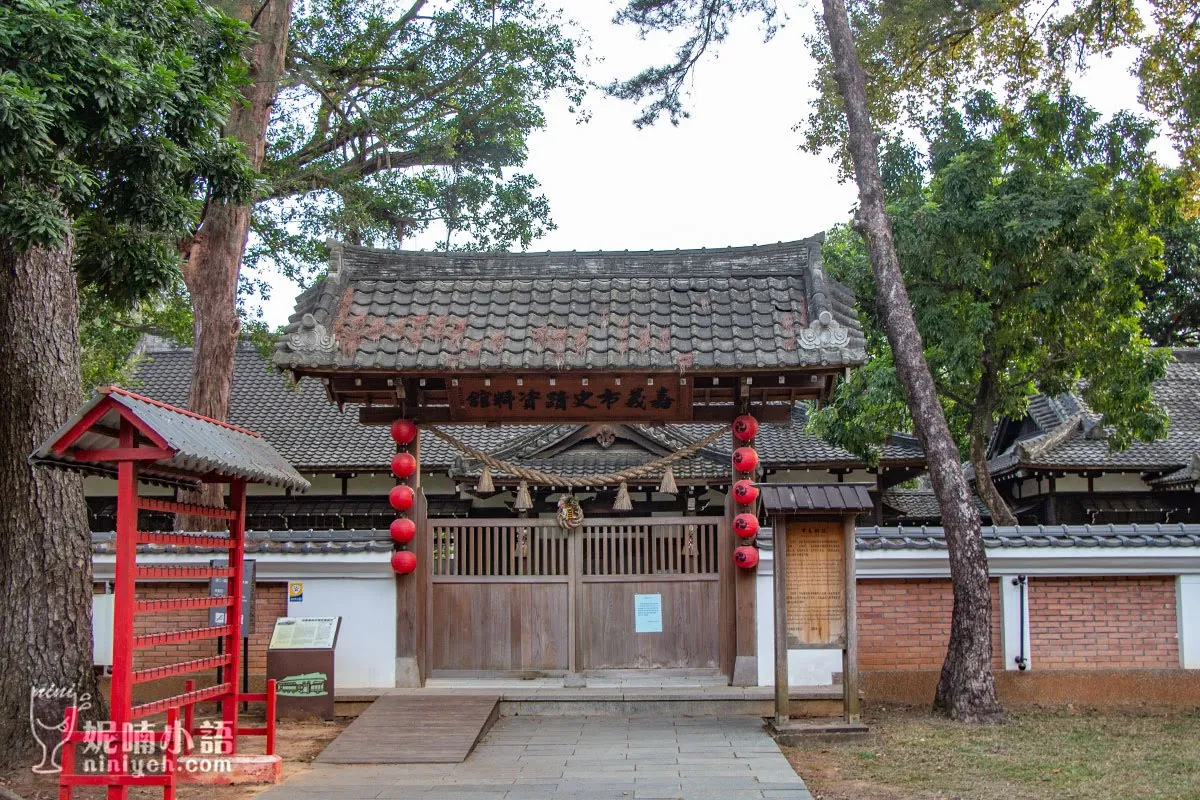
x=300, y=659
x=305, y=633
x=816, y=584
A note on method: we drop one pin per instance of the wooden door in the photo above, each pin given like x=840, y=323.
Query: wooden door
x=669, y=567
x=527, y=596
x=499, y=593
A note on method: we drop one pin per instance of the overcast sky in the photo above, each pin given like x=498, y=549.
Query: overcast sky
x=731, y=174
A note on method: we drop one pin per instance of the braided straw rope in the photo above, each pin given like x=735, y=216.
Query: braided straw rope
x=550, y=479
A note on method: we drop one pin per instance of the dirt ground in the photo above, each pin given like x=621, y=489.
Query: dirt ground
x=297, y=742
x=1040, y=754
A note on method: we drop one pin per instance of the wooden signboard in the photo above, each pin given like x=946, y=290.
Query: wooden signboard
x=816, y=588
x=571, y=398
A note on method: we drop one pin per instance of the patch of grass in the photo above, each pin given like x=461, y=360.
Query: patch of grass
x=1059, y=754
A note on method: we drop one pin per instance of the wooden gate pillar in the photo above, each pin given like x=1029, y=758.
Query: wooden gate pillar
x=413, y=590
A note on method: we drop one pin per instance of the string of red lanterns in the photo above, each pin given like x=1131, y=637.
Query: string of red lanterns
x=745, y=493
x=402, y=497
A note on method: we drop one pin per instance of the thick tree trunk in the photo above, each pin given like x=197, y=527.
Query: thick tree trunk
x=214, y=257
x=966, y=689
x=45, y=545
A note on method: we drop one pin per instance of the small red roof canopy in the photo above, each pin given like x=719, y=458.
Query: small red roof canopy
x=174, y=446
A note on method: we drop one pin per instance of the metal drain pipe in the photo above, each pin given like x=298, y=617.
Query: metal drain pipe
x=1022, y=587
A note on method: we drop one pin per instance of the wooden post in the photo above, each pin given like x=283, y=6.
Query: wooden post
x=745, y=592
x=850, y=701
x=779, y=559
x=412, y=590
x=237, y=558
x=124, y=600
x=575, y=570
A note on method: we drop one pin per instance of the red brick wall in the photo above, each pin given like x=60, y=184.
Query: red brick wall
x=270, y=602
x=905, y=623
x=1103, y=623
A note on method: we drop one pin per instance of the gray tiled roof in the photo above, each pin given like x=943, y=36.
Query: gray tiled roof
x=745, y=307
x=315, y=436
x=784, y=498
x=1091, y=536
x=305, y=542
x=304, y=426
x=1086, y=446
x=199, y=446
x=1099, y=536
x=922, y=503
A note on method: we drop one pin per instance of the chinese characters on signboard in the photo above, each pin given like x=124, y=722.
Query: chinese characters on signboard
x=590, y=399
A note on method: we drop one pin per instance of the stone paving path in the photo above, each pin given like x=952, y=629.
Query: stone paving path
x=597, y=758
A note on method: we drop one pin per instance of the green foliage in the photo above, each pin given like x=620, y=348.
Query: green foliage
x=1172, y=315
x=109, y=334
x=1022, y=249
x=706, y=23
x=922, y=55
x=110, y=118
x=390, y=120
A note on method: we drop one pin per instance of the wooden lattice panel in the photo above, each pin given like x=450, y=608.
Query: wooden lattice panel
x=816, y=590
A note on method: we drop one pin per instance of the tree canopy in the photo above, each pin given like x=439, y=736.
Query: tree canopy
x=921, y=55
x=1023, y=236
x=110, y=118
x=390, y=120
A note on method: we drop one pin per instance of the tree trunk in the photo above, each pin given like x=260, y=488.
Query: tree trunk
x=214, y=256
x=967, y=688
x=45, y=545
x=978, y=435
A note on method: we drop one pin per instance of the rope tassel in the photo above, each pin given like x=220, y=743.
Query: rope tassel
x=668, y=483
x=523, y=502
x=485, y=481
x=623, y=502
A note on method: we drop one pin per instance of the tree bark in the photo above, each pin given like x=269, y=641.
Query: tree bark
x=966, y=689
x=978, y=435
x=214, y=256
x=45, y=544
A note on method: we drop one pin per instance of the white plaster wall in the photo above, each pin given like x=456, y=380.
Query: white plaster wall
x=264, y=489
x=365, y=657
x=805, y=667
x=1108, y=482
x=1187, y=596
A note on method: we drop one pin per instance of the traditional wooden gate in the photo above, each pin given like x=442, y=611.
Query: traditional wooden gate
x=528, y=596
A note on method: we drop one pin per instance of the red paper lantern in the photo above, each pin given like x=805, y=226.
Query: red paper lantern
x=746, y=557
x=401, y=497
x=745, y=427
x=745, y=525
x=404, y=431
x=404, y=561
x=745, y=459
x=403, y=465
x=745, y=492
x=403, y=530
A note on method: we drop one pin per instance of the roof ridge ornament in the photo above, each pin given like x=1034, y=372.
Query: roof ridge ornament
x=311, y=337
x=824, y=333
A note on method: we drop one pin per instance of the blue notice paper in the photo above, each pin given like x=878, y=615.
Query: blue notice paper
x=647, y=613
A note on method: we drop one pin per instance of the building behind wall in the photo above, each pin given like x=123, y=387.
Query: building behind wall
x=1121, y=595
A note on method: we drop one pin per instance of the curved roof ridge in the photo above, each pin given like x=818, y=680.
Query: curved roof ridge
x=780, y=258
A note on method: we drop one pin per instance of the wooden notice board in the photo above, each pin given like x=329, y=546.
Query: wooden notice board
x=816, y=588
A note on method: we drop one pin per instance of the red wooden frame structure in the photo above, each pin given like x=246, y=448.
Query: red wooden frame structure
x=155, y=442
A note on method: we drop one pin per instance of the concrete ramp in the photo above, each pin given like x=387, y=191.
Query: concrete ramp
x=407, y=729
